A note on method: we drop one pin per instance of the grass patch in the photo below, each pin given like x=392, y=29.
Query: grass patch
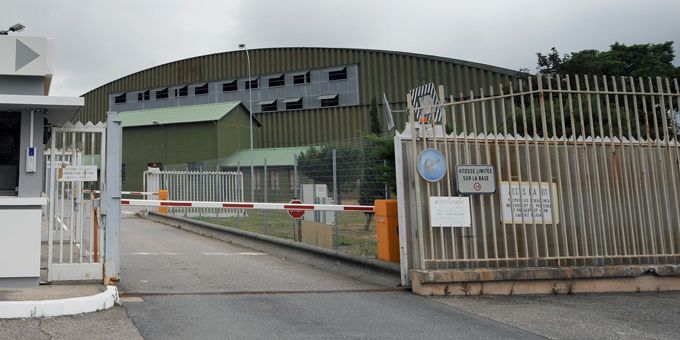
x=354, y=238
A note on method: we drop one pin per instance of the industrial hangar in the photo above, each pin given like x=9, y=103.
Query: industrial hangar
x=300, y=96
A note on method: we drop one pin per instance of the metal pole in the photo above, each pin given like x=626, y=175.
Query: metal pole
x=296, y=184
x=111, y=197
x=250, y=108
x=387, y=189
x=265, y=195
x=297, y=223
x=336, y=239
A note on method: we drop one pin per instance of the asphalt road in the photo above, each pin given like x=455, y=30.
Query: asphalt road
x=188, y=286
x=180, y=285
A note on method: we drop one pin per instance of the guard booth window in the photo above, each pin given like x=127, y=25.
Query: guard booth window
x=10, y=132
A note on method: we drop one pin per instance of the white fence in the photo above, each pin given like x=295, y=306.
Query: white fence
x=209, y=186
x=73, y=229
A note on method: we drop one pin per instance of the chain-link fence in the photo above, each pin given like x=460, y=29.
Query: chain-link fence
x=355, y=171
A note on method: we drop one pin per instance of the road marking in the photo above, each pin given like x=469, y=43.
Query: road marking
x=154, y=254
x=205, y=254
x=268, y=292
x=126, y=299
x=234, y=254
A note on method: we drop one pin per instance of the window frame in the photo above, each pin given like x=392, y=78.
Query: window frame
x=331, y=102
x=164, y=92
x=272, y=107
x=336, y=75
x=249, y=83
x=182, y=91
x=144, y=96
x=120, y=99
x=289, y=104
x=281, y=79
x=231, y=83
x=306, y=78
x=205, y=87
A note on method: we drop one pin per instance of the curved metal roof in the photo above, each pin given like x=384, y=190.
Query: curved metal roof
x=461, y=62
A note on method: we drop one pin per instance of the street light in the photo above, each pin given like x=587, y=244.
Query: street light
x=250, y=108
x=14, y=28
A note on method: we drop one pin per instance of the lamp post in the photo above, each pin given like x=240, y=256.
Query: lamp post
x=13, y=28
x=250, y=108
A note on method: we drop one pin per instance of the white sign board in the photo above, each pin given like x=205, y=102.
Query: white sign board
x=78, y=173
x=475, y=179
x=529, y=202
x=450, y=212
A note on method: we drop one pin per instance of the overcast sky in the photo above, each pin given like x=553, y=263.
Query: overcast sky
x=96, y=42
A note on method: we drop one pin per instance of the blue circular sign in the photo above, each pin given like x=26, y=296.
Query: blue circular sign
x=431, y=165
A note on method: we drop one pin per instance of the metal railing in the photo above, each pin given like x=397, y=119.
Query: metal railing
x=207, y=186
x=586, y=171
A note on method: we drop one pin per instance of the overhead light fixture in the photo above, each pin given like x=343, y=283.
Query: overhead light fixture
x=14, y=28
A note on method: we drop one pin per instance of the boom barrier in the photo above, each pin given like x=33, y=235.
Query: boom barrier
x=246, y=205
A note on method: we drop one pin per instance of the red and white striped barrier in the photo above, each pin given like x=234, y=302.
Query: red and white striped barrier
x=132, y=193
x=139, y=193
x=246, y=205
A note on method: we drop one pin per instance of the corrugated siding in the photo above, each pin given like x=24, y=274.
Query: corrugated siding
x=379, y=71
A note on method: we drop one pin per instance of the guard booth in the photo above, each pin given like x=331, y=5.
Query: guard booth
x=27, y=115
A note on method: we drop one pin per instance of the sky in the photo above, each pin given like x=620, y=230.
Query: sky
x=98, y=41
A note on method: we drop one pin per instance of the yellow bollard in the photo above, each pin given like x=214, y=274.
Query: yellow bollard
x=163, y=195
x=387, y=229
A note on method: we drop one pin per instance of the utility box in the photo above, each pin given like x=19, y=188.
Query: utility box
x=387, y=229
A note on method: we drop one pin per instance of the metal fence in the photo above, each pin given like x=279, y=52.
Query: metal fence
x=586, y=171
x=341, y=172
x=208, y=186
x=73, y=228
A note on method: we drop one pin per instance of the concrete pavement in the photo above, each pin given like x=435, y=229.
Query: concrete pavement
x=107, y=324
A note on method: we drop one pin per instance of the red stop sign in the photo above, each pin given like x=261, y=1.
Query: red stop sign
x=296, y=213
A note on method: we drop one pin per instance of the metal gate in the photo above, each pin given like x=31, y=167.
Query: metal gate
x=75, y=164
x=207, y=186
x=586, y=170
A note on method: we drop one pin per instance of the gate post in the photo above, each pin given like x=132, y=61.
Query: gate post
x=111, y=198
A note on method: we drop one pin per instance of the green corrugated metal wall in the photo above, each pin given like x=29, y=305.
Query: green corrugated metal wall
x=379, y=71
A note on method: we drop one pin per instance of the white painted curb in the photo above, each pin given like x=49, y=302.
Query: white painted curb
x=50, y=308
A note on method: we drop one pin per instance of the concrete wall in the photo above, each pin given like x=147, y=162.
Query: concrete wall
x=22, y=85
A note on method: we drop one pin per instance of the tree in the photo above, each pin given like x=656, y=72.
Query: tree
x=379, y=171
x=316, y=163
x=641, y=60
x=376, y=127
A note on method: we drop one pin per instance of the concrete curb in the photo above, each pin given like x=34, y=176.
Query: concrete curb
x=51, y=308
x=392, y=268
